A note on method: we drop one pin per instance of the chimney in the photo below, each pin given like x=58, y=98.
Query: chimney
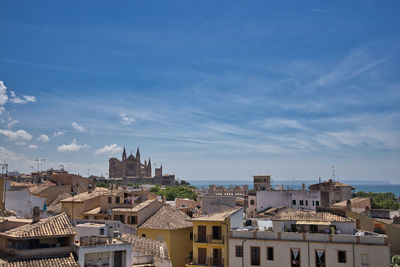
x=367, y=211
x=319, y=180
x=348, y=204
x=303, y=187
x=36, y=214
x=396, y=220
x=90, y=188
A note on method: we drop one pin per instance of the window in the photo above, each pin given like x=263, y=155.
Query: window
x=117, y=200
x=239, y=251
x=301, y=202
x=364, y=259
x=191, y=236
x=102, y=231
x=317, y=203
x=255, y=256
x=342, y=256
x=319, y=258
x=294, y=201
x=295, y=257
x=313, y=203
x=133, y=220
x=306, y=202
x=143, y=235
x=252, y=202
x=270, y=253
x=216, y=232
x=109, y=200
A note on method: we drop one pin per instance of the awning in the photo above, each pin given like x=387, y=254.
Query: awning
x=312, y=223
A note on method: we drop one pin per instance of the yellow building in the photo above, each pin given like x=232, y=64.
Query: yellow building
x=171, y=226
x=210, y=242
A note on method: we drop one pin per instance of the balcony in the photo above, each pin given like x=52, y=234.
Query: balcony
x=216, y=262
x=196, y=262
x=201, y=239
x=214, y=240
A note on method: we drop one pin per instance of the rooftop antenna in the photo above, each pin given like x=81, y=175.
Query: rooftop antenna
x=37, y=162
x=333, y=172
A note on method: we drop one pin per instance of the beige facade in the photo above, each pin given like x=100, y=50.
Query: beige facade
x=138, y=214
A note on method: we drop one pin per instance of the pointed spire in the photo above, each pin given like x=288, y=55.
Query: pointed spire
x=149, y=162
x=145, y=163
x=138, y=153
x=124, y=154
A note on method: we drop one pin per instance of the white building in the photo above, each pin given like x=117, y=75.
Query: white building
x=22, y=202
x=292, y=199
x=300, y=238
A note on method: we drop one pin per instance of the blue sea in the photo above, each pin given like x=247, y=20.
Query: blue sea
x=365, y=186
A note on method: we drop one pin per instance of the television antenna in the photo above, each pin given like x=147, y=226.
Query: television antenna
x=333, y=172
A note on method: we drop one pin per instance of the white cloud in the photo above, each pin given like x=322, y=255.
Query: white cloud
x=3, y=96
x=58, y=133
x=73, y=147
x=126, y=118
x=108, y=149
x=11, y=123
x=6, y=154
x=44, y=138
x=33, y=147
x=78, y=127
x=25, y=99
x=17, y=136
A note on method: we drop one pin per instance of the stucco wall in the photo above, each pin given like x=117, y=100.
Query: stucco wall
x=22, y=202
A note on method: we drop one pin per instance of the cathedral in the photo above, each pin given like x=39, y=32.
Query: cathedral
x=129, y=166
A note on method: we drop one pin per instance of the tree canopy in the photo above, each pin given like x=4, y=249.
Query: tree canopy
x=381, y=200
x=172, y=192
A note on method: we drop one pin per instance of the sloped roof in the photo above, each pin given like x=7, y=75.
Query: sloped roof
x=55, y=226
x=309, y=215
x=98, y=191
x=167, y=218
x=56, y=261
x=137, y=207
x=216, y=217
x=147, y=246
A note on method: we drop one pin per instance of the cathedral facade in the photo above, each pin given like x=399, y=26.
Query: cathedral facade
x=129, y=166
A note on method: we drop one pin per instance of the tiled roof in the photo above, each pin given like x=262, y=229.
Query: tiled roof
x=95, y=193
x=137, y=207
x=167, y=218
x=147, y=246
x=57, y=261
x=216, y=217
x=309, y=215
x=354, y=202
x=92, y=211
x=55, y=226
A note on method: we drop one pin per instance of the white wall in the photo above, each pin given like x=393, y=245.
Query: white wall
x=22, y=202
x=237, y=219
x=266, y=199
x=378, y=255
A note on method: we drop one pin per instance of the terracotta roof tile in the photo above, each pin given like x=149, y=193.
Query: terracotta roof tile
x=167, y=218
x=147, y=246
x=137, y=207
x=216, y=217
x=58, y=225
x=309, y=215
x=56, y=261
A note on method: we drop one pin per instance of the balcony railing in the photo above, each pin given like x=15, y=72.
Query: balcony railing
x=201, y=239
x=216, y=262
x=214, y=240
x=191, y=261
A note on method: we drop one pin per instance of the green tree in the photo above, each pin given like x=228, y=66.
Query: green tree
x=381, y=200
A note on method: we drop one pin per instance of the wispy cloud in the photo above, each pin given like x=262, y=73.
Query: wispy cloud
x=111, y=149
x=33, y=147
x=58, y=133
x=78, y=127
x=126, y=119
x=73, y=147
x=43, y=138
x=17, y=136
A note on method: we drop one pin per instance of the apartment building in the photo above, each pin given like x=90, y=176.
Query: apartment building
x=138, y=214
x=210, y=237
x=308, y=238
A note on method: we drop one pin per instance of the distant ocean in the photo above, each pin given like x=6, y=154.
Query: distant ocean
x=366, y=187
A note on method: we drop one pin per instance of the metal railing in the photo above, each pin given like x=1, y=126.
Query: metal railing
x=220, y=240
x=201, y=239
x=216, y=262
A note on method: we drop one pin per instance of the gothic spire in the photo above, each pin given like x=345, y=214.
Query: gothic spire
x=124, y=154
x=138, y=153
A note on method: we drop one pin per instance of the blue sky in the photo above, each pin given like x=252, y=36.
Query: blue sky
x=210, y=89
